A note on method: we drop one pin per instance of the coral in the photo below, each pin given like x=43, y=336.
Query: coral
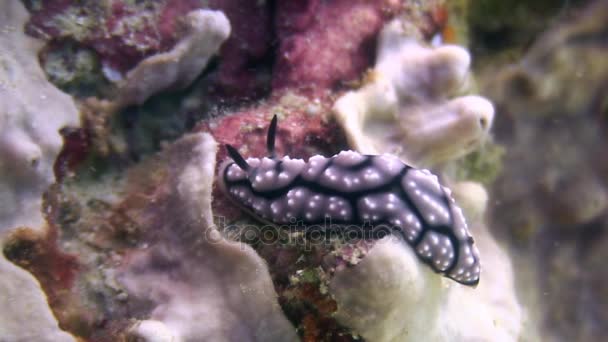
x=242, y=71
x=551, y=125
x=404, y=108
x=147, y=248
x=178, y=67
x=32, y=111
x=73, y=69
x=231, y=305
x=376, y=297
x=29, y=318
x=323, y=43
x=110, y=129
x=131, y=250
x=121, y=32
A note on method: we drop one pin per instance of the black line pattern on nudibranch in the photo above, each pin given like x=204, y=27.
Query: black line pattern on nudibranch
x=364, y=190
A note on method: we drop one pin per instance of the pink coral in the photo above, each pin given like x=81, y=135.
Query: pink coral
x=248, y=45
x=320, y=43
x=123, y=33
x=323, y=43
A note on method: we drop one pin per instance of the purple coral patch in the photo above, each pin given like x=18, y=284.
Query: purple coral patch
x=323, y=43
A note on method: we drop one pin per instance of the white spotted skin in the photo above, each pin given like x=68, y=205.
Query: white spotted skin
x=354, y=189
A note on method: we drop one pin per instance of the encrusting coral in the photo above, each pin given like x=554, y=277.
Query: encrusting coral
x=31, y=113
x=406, y=99
x=133, y=253
x=177, y=68
x=404, y=107
x=376, y=297
x=148, y=248
x=322, y=44
x=218, y=289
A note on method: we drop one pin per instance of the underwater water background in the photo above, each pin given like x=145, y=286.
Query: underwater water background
x=116, y=218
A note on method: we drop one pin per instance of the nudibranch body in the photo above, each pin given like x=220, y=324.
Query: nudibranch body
x=363, y=190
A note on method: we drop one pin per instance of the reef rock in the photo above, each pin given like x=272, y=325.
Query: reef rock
x=242, y=71
x=404, y=108
x=32, y=111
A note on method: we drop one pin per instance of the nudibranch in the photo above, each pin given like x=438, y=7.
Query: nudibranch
x=352, y=189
